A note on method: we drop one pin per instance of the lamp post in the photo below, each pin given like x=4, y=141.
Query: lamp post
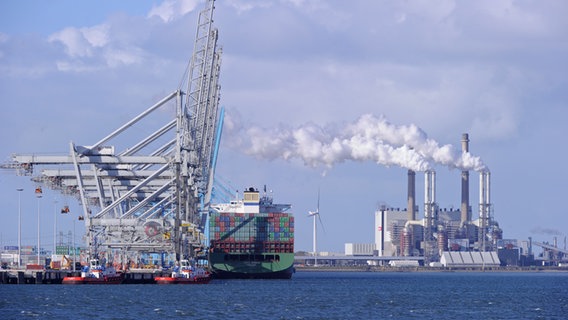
x=54, y=227
x=38, y=195
x=74, y=250
x=19, y=226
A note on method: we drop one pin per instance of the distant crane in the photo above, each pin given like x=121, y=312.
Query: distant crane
x=550, y=247
x=561, y=253
x=316, y=217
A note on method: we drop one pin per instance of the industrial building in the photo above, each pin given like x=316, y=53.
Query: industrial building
x=399, y=233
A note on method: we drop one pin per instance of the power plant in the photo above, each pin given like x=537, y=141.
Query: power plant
x=398, y=232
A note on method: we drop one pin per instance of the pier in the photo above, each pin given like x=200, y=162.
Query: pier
x=20, y=276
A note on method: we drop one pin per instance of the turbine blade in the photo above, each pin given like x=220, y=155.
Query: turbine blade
x=318, y=208
x=321, y=222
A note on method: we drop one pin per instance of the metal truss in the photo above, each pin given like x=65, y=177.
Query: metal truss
x=147, y=198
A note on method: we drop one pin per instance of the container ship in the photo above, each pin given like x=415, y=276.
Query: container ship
x=252, y=238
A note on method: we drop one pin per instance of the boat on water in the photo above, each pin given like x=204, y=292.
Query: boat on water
x=95, y=273
x=186, y=273
x=251, y=238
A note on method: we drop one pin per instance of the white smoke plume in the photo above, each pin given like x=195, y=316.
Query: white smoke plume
x=369, y=138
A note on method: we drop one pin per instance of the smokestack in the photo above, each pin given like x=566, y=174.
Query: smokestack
x=411, y=195
x=430, y=186
x=484, y=206
x=429, y=203
x=484, y=193
x=465, y=216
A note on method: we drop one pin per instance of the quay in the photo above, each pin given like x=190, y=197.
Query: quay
x=22, y=276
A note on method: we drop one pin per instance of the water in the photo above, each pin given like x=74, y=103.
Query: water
x=309, y=295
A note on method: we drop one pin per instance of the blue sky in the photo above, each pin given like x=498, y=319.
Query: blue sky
x=295, y=73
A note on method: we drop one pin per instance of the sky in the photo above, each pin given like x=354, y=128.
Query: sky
x=303, y=84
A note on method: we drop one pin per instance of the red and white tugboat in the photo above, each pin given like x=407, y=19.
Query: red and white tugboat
x=186, y=274
x=95, y=273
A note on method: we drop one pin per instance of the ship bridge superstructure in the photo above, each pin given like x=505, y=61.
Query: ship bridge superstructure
x=151, y=195
x=252, y=202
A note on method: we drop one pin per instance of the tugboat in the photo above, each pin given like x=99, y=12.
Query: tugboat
x=185, y=273
x=95, y=273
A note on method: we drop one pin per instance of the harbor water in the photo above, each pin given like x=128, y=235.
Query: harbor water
x=308, y=295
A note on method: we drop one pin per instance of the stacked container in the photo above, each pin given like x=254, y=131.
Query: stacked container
x=252, y=232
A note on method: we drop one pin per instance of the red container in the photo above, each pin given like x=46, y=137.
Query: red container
x=34, y=267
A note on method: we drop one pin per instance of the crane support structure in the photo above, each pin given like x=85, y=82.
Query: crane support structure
x=550, y=247
x=147, y=197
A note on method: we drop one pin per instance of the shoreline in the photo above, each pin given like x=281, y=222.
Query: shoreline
x=429, y=269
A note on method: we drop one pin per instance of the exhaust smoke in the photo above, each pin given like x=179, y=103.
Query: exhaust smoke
x=369, y=138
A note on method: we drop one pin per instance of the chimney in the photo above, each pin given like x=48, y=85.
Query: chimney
x=484, y=193
x=484, y=206
x=411, y=195
x=465, y=214
x=429, y=203
x=429, y=187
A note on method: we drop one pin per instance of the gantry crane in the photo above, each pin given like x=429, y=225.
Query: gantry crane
x=560, y=255
x=153, y=195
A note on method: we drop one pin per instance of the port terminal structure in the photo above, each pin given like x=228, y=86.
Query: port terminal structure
x=154, y=195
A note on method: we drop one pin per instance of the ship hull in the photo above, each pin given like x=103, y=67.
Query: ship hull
x=172, y=280
x=87, y=280
x=72, y=280
x=224, y=267
x=284, y=274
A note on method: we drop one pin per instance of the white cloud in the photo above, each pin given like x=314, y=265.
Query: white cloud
x=431, y=11
x=98, y=36
x=80, y=42
x=94, y=48
x=243, y=6
x=496, y=117
x=118, y=57
x=75, y=66
x=170, y=10
x=76, y=45
x=109, y=45
x=510, y=15
x=3, y=38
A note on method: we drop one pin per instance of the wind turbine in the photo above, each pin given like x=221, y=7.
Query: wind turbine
x=314, y=214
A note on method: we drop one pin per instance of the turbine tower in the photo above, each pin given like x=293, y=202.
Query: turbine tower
x=316, y=216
